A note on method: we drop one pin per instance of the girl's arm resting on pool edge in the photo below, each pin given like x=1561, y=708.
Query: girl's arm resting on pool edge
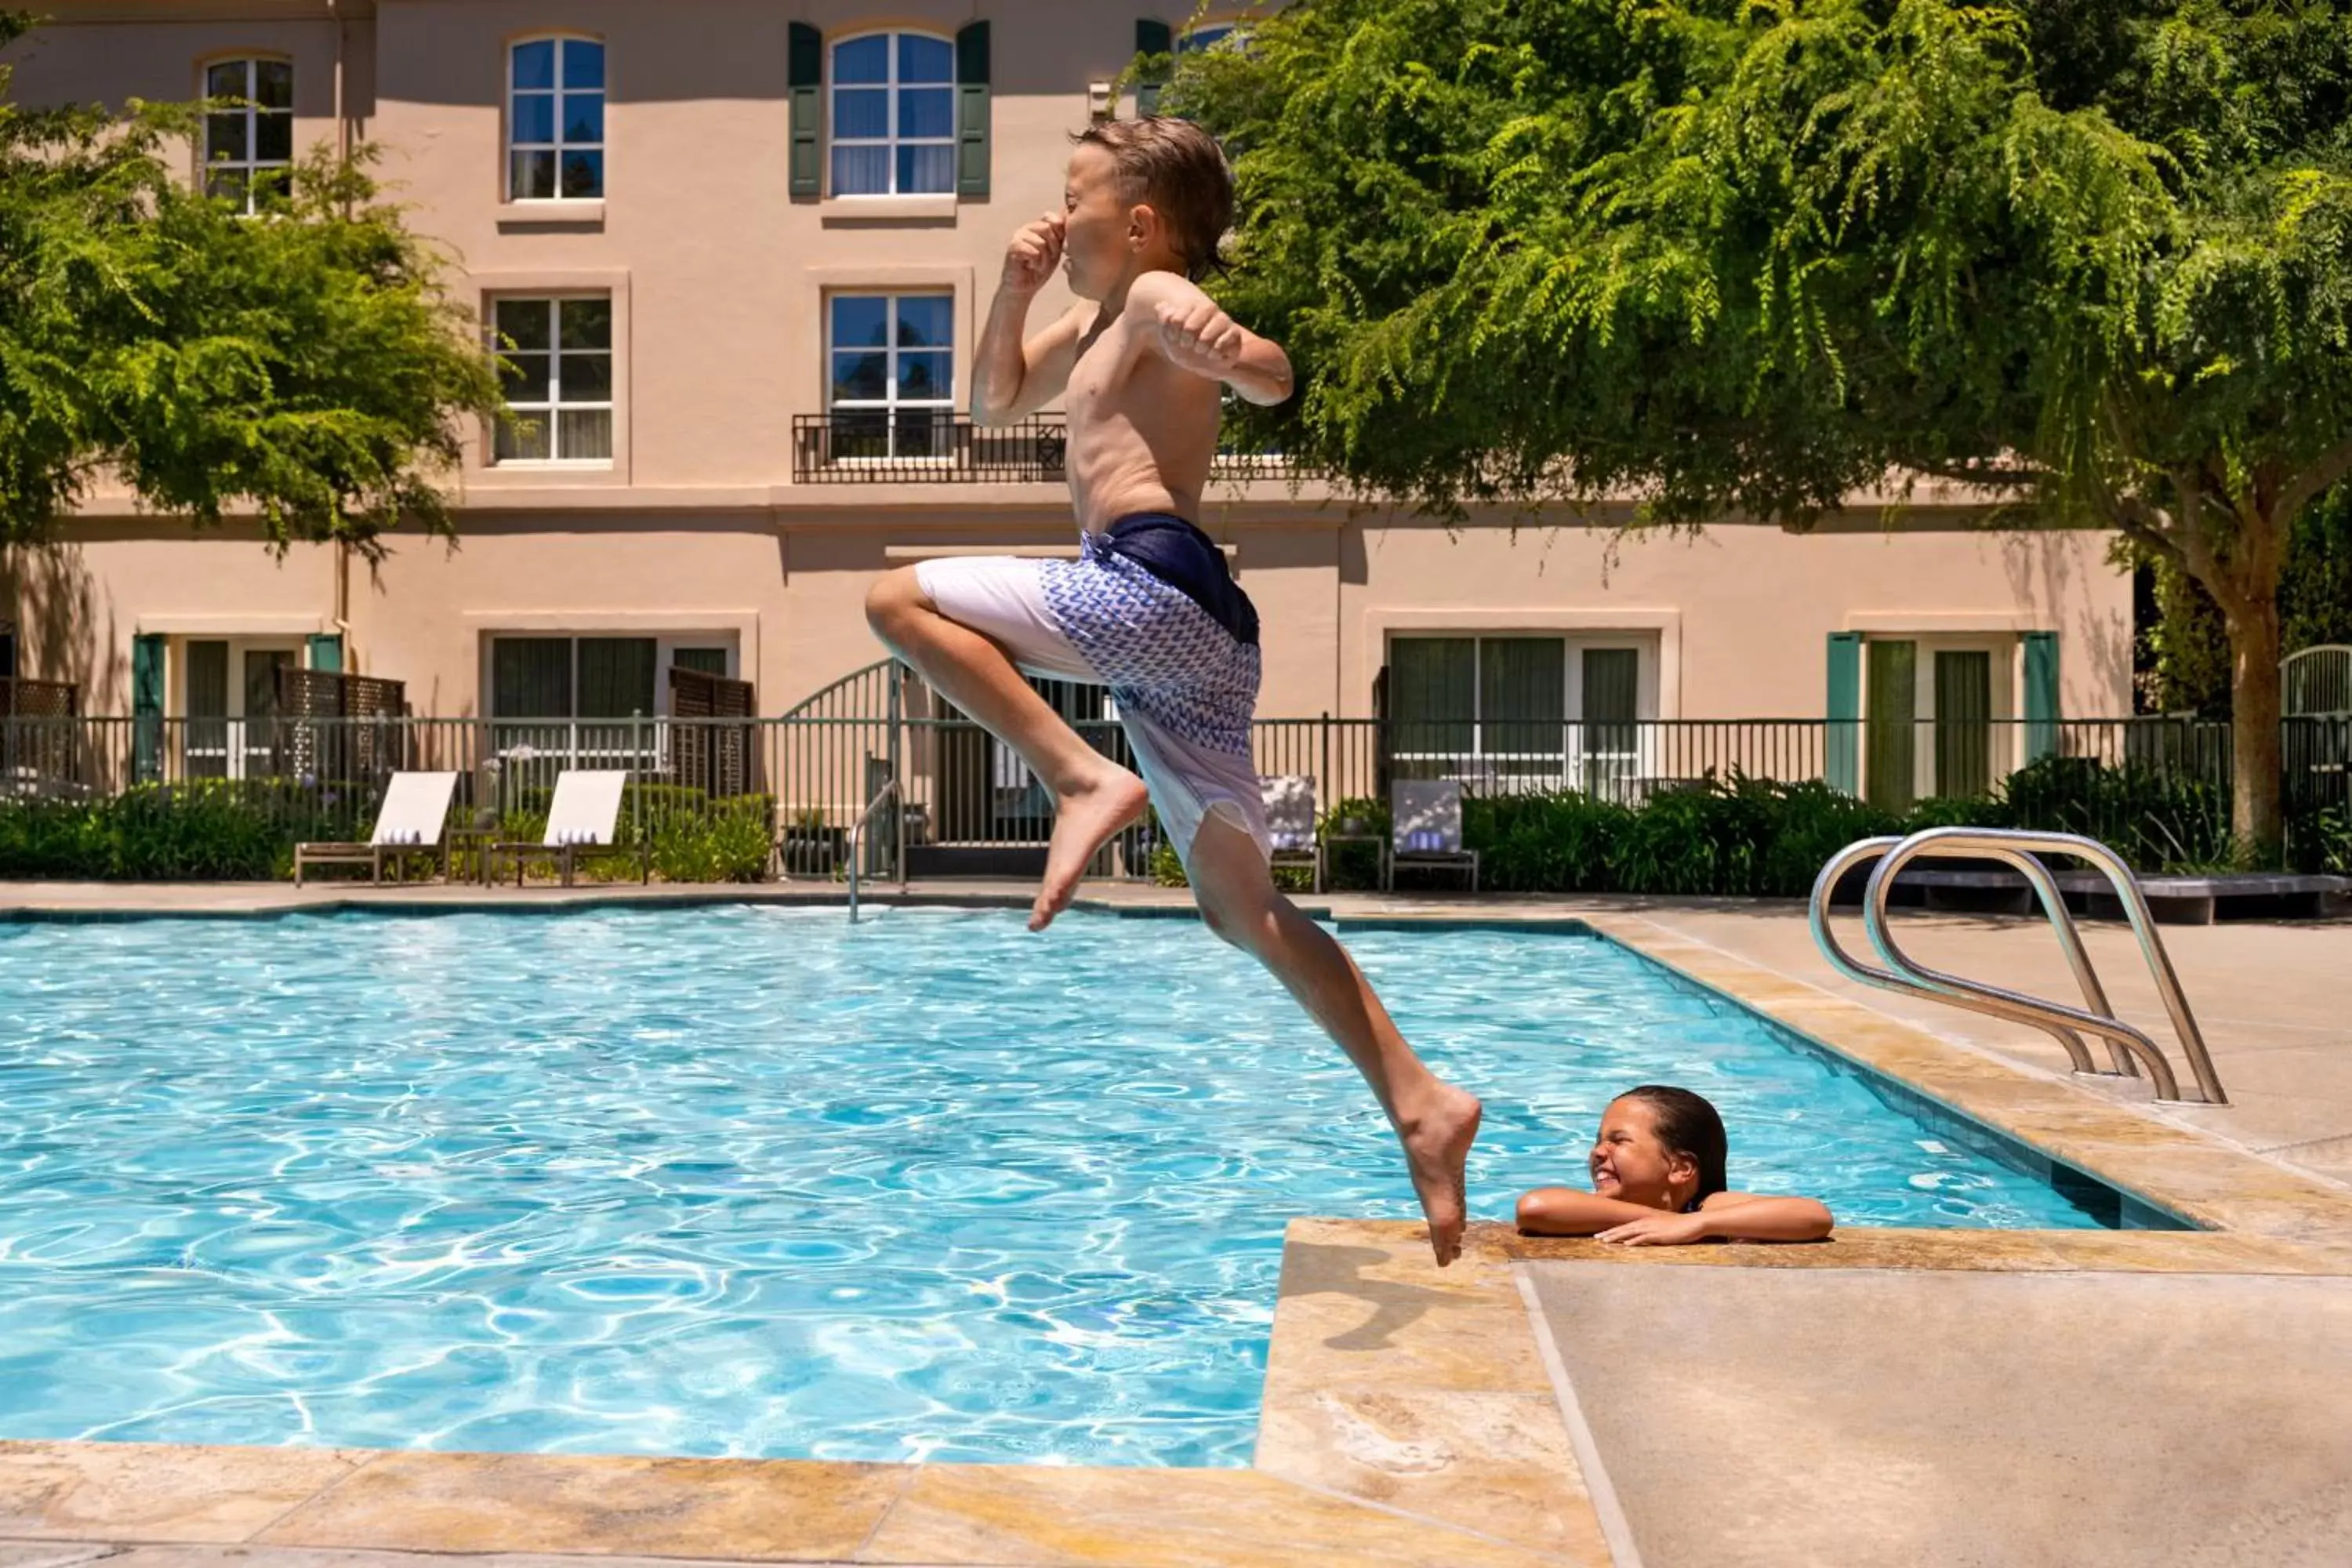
x=1726, y=1216
x=1756, y=1216
x=1564, y=1211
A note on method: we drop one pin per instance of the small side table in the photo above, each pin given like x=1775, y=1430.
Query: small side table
x=1374, y=839
x=477, y=839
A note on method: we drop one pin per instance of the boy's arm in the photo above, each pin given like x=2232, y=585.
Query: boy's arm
x=1011, y=377
x=1196, y=335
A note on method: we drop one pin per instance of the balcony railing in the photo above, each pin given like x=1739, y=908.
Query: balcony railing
x=939, y=446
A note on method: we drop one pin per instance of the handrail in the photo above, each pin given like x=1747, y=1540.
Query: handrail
x=1852, y=968
x=856, y=840
x=2021, y=851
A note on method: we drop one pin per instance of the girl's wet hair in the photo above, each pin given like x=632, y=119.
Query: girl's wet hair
x=1688, y=1125
x=1179, y=169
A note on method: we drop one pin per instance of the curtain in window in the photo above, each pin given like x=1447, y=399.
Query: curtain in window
x=616, y=677
x=207, y=697
x=1522, y=696
x=1612, y=696
x=531, y=678
x=702, y=661
x=1891, y=726
x=1432, y=697
x=1963, y=724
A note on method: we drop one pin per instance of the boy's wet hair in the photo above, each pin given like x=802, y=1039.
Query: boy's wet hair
x=1688, y=1125
x=1178, y=169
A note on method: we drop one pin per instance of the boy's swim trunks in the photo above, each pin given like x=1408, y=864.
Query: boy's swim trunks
x=1149, y=610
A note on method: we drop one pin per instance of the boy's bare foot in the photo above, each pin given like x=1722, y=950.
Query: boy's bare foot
x=1084, y=821
x=1436, y=1148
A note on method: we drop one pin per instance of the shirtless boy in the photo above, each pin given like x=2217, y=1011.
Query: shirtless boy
x=1149, y=609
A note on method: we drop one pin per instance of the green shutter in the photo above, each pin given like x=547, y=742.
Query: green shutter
x=327, y=652
x=1157, y=41
x=972, y=110
x=805, y=80
x=146, y=707
x=1841, y=747
x=2040, y=694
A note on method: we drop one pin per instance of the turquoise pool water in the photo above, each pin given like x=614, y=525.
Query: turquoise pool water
x=753, y=1181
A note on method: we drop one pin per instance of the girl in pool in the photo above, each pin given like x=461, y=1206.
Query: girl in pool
x=1657, y=1180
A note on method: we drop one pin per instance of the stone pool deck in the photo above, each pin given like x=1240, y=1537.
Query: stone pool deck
x=1887, y=1396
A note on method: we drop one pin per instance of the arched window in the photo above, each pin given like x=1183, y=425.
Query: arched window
x=249, y=146
x=893, y=115
x=1208, y=36
x=555, y=119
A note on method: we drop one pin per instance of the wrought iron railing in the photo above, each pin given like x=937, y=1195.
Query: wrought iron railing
x=941, y=447
x=2160, y=789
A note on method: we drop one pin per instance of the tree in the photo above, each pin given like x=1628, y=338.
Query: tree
x=2091, y=257
x=303, y=365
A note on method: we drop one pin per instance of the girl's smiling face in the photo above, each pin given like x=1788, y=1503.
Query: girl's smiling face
x=1629, y=1163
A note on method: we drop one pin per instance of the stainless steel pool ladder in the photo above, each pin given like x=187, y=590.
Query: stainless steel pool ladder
x=857, y=844
x=2064, y=1024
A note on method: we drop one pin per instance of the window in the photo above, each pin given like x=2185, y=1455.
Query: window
x=230, y=696
x=1930, y=719
x=893, y=375
x=893, y=116
x=558, y=378
x=1209, y=36
x=249, y=149
x=555, y=121
x=1521, y=713
x=7, y=651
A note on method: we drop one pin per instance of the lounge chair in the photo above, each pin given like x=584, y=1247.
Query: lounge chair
x=585, y=814
x=414, y=818
x=1426, y=829
x=1290, y=823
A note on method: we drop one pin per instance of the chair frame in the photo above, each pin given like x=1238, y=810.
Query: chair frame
x=1312, y=855
x=1391, y=857
x=372, y=855
x=566, y=856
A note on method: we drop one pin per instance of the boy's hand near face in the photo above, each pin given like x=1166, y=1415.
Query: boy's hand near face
x=1035, y=251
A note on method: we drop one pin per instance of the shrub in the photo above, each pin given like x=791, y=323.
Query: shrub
x=1540, y=843
x=2154, y=817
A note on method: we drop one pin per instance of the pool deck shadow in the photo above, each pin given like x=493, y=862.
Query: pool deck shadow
x=1541, y=1402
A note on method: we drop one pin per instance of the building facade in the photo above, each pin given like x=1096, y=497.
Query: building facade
x=742, y=249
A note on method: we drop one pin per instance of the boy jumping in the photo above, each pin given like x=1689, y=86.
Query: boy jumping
x=1149, y=608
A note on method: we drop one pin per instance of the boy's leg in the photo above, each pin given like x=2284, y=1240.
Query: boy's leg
x=1434, y=1120
x=1093, y=797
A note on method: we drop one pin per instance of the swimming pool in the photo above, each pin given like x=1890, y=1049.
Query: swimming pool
x=750, y=1181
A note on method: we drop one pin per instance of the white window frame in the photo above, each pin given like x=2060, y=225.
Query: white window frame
x=1571, y=767
x=890, y=402
x=232, y=748
x=556, y=94
x=555, y=405
x=252, y=165
x=892, y=142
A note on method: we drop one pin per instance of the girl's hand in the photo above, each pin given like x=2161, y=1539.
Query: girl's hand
x=1657, y=1230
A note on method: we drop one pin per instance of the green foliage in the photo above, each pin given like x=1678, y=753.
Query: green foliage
x=1736, y=258
x=304, y=365
x=2157, y=818
x=210, y=830
x=2185, y=650
x=1534, y=843
x=246, y=830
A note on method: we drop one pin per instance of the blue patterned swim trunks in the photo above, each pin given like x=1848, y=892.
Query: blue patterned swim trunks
x=1149, y=610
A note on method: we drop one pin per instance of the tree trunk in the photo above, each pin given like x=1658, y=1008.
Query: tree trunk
x=2254, y=702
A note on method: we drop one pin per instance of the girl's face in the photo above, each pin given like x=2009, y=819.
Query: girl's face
x=1630, y=1164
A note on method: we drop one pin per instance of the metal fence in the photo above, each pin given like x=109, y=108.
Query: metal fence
x=804, y=779
x=939, y=446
